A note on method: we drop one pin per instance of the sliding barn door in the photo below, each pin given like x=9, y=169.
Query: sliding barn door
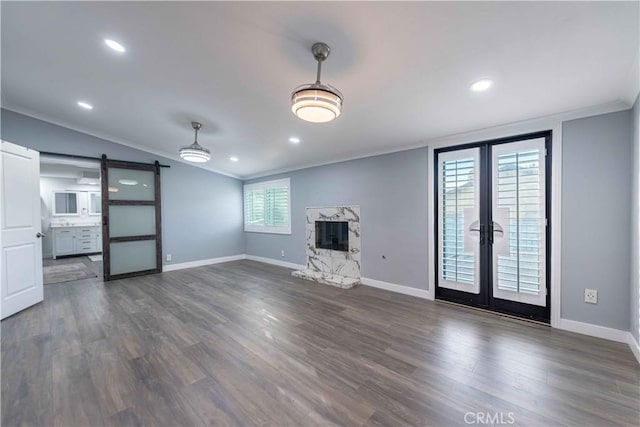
x=131, y=226
x=492, y=229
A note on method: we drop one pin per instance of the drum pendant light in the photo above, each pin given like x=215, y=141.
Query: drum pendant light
x=317, y=102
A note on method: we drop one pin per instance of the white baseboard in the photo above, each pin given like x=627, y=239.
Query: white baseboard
x=276, y=262
x=407, y=290
x=200, y=263
x=635, y=347
x=594, y=330
x=401, y=289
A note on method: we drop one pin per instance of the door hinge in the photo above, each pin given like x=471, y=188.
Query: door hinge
x=546, y=222
x=545, y=152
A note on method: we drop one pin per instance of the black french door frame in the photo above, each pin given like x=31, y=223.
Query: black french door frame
x=485, y=298
x=106, y=202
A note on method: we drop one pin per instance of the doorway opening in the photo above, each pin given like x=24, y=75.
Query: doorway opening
x=71, y=218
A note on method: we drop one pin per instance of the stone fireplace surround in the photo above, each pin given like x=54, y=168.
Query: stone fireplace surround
x=331, y=267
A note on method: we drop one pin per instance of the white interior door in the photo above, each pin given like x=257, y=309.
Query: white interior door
x=20, y=242
x=519, y=222
x=459, y=220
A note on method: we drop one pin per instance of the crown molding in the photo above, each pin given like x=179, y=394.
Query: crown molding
x=111, y=138
x=543, y=122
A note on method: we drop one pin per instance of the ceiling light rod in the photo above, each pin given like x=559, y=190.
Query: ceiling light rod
x=196, y=126
x=321, y=52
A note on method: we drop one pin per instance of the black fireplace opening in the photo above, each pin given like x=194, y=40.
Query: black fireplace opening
x=332, y=235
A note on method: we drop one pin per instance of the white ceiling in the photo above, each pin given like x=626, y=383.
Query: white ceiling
x=404, y=69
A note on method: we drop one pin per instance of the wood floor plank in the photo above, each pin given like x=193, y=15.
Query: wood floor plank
x=245, y=343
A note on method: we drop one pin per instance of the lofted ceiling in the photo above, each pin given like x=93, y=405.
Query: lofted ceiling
x=404, y=69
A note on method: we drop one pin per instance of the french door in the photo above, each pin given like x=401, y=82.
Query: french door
x=492, y=231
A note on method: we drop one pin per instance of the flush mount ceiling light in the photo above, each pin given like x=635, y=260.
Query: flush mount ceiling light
x=195, y=152
x=481, y=85
x=115, y=45
x=317, y=102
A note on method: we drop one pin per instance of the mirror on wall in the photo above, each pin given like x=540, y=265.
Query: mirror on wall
x=65, y=203
x=95, y=203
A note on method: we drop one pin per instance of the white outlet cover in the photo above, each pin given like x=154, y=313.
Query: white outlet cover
x=591, y=296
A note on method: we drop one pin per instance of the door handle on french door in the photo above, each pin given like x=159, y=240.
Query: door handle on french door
x=479, y=230
x=491, y=232
x=39, y=235
x=494, y=227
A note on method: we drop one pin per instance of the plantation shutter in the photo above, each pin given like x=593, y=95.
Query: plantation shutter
x=458, y=218
x=277, y=206
x=519, y=218
x=267, y=207
x=254, y=207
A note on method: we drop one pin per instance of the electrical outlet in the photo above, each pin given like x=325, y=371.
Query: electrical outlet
x=282, y=254
x=591, y=296
x=168, y=257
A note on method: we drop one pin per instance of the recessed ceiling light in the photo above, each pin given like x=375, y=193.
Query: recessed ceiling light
x=294, y=140
x=114, y=45
x=234, y=158
x=481, y=85
x=85, y=105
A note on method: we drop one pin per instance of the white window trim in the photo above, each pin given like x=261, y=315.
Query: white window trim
x=286, y=182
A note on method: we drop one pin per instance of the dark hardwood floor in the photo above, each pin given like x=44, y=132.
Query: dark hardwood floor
x=244, y=343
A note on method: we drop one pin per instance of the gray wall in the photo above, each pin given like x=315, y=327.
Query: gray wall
x=392, y=192
x=201, y=210
x=596, y=217
x=635, y=224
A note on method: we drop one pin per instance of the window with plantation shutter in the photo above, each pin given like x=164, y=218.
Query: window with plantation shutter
x=267, y=207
